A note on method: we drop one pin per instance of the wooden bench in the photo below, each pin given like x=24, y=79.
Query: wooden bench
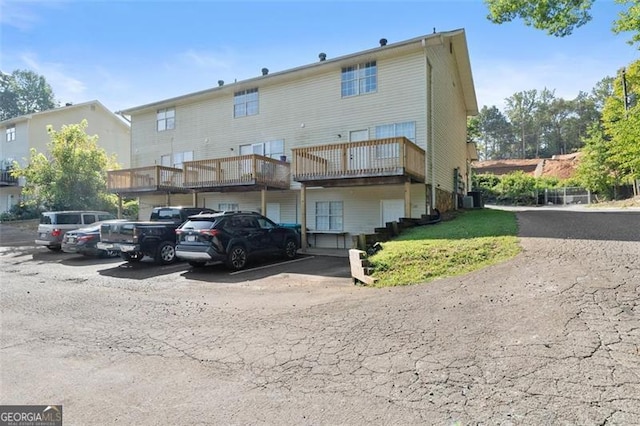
x=338, y=234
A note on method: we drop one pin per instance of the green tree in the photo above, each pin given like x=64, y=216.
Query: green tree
x=24, y=92
x=521, y=109
x=560, y=17
x=496, y=134
x=612, y=151
x=72, y=175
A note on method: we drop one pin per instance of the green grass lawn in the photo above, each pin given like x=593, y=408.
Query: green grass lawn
x=473, y=240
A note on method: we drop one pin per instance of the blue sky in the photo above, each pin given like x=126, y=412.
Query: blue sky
x=127, y=53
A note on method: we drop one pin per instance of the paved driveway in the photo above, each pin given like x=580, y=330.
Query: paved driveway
x=550, y=337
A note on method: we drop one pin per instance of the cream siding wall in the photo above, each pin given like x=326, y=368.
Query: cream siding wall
x=309, y=111
x=114, y=138
x=17, y=149
x=449, y=118
x=306, y=112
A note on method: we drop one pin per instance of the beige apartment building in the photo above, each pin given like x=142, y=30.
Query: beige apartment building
x=340, y=146
x=30, y=131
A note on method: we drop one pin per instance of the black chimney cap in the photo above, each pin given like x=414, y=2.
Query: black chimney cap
x=322, y=56
x=220, y=82
x=265, y=71
x=383, y=42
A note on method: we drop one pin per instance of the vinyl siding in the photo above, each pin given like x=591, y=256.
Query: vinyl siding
x=306, y=109
x=450, y=119
x=31, y=132
x=307, y=112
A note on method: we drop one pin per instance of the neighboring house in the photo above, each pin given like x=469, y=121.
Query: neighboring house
x=340, y=146
x=558, y=166
x=20, y=134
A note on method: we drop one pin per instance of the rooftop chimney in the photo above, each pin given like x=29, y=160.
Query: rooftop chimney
x=265, y=71
x=220, y=82
x=322, y=56
x=383, y=42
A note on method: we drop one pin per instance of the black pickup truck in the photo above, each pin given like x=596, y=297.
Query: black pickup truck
x=155, y=238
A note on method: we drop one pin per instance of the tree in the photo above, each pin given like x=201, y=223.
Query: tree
x=560, y=17
x=520, y=109
x=72, y=176
x=612, y=151
x=24, y=92
x=496, y=134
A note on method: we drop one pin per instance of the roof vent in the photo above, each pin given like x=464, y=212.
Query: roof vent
x=265, y=71
x=383, y=42
x=322, y=56
x=221, y=83
x=68, y=104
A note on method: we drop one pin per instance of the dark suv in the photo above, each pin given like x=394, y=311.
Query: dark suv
x=233, y=237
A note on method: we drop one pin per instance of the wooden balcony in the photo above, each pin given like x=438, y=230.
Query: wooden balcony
x=372, y=162
x=241, y=173
x=151, y=179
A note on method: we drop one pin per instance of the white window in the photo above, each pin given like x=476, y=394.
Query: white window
x=166, y=119
x=271, y=149
x=11, y=133
x=329, y=215
x=359, y=79
x=176, y=159
x=245, y=103
x=228, y=207
x=407, y=129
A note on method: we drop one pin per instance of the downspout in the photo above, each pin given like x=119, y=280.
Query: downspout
x=430, y=132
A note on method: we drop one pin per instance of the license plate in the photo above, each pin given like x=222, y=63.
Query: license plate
x=71, y=240
x=191, y=238
x=43, y=235
x=127, y=248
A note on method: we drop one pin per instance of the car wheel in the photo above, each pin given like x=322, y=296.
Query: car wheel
x=130, y=258
x=197, y=264
x=290, y=249
x=54, y=248
x=166, y=253
x=237, y=258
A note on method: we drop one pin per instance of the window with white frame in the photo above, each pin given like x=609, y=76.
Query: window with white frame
x=176, y=159
x=245, y=103
x=272, y=149
x=329, y=216
x=166, y=119
x=228, y=207
x=359, y=79
x=392, y=150
x=11, y=133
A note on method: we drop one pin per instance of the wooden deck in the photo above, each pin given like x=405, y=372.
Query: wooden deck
x=378, y=161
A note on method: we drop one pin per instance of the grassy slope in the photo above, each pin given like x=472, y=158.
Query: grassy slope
x=473, y=240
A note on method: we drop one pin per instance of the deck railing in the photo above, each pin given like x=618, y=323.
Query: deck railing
x=149, y=178
x=6, y=179
x=249, y=169
x=377, y=157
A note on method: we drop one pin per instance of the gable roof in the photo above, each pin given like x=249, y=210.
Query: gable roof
x=64, y=109
x=456, y=37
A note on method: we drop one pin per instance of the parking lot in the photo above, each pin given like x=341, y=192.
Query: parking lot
x=549, y=337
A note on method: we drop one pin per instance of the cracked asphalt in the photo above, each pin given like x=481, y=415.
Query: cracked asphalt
x=549, y=337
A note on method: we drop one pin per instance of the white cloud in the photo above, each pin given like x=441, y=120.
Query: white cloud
x=15, y=14
x=207, y=60
x=65, y=87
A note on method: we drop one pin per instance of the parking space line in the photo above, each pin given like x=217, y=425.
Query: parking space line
x=270, y=266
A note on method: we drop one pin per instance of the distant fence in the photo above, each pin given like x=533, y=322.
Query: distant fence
x=566, y=195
